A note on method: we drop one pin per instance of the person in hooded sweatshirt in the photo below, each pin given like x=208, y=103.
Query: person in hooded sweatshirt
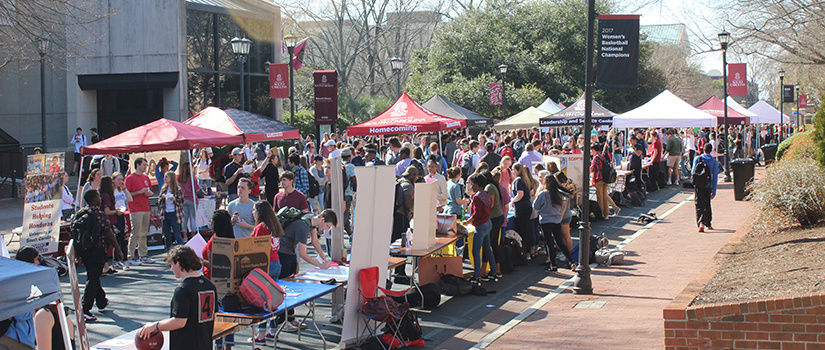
x=704, y=195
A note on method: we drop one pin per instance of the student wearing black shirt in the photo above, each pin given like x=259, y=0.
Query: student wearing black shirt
x=271, y=177
x=193, y=304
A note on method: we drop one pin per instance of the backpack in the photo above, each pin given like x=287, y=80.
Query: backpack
x=701, y=174
x=518, y=148
x=430, y=291
x=85, y=232
x=453, y=285
x=314, y=187
x=466, y=165
x=288, y=215
x=260, y=290
x=399, y=196
x=608, y=171
x=409, y=332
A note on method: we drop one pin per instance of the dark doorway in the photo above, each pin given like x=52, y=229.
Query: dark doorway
x=125, y=109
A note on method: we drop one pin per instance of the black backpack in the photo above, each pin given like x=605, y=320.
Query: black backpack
x=314, y=187
x=466, y=165
x=518, y=148
x=85, y=232
x=288, y=215
x=701, y=174
x=608, y=171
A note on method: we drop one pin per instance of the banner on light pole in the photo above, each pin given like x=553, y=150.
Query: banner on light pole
x=618, y=56
x=495, y=94
x=737, y=79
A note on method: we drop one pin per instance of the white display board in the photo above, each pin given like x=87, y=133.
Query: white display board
x=370, y=244
x=206, y=207
x=571, y=165
x=425, y=216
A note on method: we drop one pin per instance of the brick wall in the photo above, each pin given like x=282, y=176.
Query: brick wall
x=792, y=322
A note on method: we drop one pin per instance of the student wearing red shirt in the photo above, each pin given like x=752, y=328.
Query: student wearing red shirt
x=267, y=224
x=139, y=187
x=289, y=197
x=480, y=207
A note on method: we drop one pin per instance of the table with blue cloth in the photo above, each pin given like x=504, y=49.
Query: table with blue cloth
x=297, y=294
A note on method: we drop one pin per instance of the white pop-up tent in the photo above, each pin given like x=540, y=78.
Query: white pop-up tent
x=525, y=119
x=550, y=106
x=743, y=111
x=665, y=110
x=767, y=114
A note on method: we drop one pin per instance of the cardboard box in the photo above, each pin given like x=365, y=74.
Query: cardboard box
x=232, y=259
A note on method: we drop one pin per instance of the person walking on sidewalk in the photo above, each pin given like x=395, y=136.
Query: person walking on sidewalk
x=704, y=194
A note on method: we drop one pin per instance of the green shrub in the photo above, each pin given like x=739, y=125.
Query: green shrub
x=819, y=135
x=792, y=192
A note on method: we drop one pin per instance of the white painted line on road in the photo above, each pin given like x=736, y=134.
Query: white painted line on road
x=501, y=330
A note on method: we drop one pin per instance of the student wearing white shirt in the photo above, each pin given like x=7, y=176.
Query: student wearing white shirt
x=79, y=141
x=68, y=199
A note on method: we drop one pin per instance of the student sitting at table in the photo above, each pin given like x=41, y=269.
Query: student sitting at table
x=193, y=304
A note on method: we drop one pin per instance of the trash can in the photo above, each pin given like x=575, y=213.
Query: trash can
x=743, y=169
x=769, y=151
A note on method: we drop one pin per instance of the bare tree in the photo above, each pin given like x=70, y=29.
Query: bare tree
x=21, y=21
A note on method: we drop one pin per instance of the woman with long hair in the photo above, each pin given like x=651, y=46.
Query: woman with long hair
x=507, y=174
x=497, y=211
x=122, y=196
x=551, y=205
x=480, y=218
x=188, y=227
x=202, y=164
x=267, y=224
x=569, y=190
x=170, y=202
x=271, y=176
x=455, y=194
x=92, y=183
x=524, y=188
x=107, y=204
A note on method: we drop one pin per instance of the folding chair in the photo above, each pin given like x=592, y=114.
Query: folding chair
x=390, y=314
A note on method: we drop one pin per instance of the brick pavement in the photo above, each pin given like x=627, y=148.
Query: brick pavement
x=660, y=263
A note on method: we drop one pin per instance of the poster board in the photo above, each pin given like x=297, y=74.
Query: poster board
x=154, y=157
x=571, y=165
x=80, y=321
x=43, y=201
x=206, y=207
x=425, y=221
x=371, y=245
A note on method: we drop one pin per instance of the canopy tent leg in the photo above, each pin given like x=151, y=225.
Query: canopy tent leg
x=64, y=324
x=79, y=189
x=439, y=144
x=194, y=194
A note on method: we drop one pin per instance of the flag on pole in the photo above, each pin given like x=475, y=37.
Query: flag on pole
x=298, y=60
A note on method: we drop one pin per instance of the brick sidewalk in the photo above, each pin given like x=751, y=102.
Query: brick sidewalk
x=660, y=263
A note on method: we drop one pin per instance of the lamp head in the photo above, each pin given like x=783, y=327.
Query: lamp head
x=241, y=46
x=503, y=68
x=781, y=73
x=42, y=45
x=724, y=39
x=397, y=64
x=291, y=41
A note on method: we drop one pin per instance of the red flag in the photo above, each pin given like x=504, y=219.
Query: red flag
x=298, y=60
x=803, y=101
x=737, y=79
x=278, y=80
x=495, y=94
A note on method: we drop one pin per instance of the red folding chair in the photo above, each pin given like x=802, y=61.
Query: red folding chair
x=378, y=309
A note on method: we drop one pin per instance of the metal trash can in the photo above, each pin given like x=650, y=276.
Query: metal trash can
x=743, y=171
x=769, y=151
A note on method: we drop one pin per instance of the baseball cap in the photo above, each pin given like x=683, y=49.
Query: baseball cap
x=236, y=151
x=330, y=143
x=411, y=170
x=346, y=152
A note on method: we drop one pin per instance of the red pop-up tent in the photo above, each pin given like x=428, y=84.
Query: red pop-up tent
x=405, y=116
x=252, y=127
x=162, y=135
x=715, y=107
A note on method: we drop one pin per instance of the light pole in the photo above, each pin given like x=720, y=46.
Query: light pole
x=241, y=48
x=397, y=64
x=724, y=39
x=42, y=48
x=582, y=284
x=781, y=102
x=503, y=69
x=798, y=111
x=291, y=41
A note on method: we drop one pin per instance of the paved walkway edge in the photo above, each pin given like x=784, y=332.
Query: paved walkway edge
x=493, y=336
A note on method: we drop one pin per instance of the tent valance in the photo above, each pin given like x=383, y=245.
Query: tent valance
x=405, y=116
x=25, y=287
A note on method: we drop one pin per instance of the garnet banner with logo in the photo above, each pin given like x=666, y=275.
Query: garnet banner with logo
x=326, y=96
x=279, y=80
x=737, y=79
x=496, y=97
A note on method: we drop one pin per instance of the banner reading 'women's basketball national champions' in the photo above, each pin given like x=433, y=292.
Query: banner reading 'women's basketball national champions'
x=41, y=212
x=618, y=56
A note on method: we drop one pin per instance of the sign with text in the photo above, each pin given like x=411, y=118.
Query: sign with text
x=618, y=54
x=803, y=101
x=496, y=94
x=737, y=79
x=279, y=80
x=787, y=93
x=41, y=211
x=326, y=96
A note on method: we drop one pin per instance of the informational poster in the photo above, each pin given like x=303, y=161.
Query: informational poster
x=279, y=80
x=787, y=93
x=326, y=96
x=737, y=79
x=154, y=158
x=496, y=94
x=206, y=206
x=618, y=55
x=42, y=204
x=571, y=165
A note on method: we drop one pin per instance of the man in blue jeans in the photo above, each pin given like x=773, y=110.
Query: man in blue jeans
x=704, y=195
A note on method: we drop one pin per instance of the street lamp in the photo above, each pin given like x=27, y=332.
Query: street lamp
x=241, y=48
x=503, y=69
x=291, y=41
x=42, y=48
x=397, y=64
x=724, y=40
x=781, y=101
